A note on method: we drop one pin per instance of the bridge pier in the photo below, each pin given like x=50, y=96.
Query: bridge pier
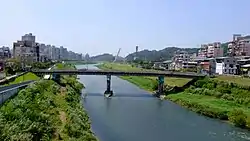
x=108, y=91
x=160, y=85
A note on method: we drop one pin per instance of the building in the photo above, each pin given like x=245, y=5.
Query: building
x=206, y=65
x=202, y=52
x=63, y=53
x=5, y=53
x=26, y=50
x=240, y=46
x=211, y=50
x=43, y=56
x=57, y=53
x=227, y=65
x=29, y=37
x=180, y=60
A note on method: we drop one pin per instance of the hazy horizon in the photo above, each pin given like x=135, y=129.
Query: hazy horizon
x=103, y=26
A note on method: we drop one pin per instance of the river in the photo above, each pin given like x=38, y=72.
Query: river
x=134, y=115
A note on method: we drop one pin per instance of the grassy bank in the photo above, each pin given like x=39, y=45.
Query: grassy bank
x=46, y=110
x=25, y=77
x=217, y=99
x=223, y=97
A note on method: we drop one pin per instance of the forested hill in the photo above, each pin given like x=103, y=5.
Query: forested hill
x=154, y=55
x=105, y=57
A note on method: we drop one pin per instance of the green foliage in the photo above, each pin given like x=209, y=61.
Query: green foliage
x=41, y=65
x=164, y=54
x=12, y=66
x=238, y=118
x=218, y=99
x=219, y=89
x=28, y=114
x=36, y=113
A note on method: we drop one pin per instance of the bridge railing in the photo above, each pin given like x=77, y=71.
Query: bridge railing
x=8, y=91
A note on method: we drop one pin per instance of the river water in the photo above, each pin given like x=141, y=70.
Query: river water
x=134, y=115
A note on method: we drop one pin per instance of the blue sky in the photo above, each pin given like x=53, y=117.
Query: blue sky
x=104, y=26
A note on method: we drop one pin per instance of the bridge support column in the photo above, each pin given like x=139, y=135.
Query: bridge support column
x=160, y=85
x=108, y=91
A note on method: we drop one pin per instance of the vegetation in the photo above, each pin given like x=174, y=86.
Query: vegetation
x=217, y=99
x=161, y=55
x=46, y=110
x=234, y=79
x=12, y=66
x=42, y=65
x=26, y=77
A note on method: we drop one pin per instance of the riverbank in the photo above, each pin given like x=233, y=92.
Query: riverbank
x=46, y=110
x=213, y=97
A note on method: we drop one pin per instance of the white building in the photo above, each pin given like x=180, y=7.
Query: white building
x=226, y=65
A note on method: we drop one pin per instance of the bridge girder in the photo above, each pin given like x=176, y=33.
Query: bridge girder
x=118, y=73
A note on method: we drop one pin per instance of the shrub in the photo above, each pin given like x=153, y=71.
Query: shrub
x=210, y=85
x=201, y=83
x=227, y=97
x=238, y=118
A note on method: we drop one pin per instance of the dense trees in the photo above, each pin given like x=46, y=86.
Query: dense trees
x=12, y=66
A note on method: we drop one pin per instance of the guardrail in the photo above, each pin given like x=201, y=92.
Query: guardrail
x=8, y=91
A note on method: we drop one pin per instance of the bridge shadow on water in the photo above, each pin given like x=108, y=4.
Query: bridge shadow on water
x=120, y=95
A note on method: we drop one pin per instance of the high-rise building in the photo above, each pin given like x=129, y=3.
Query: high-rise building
x=63, y=53
x=26, y=50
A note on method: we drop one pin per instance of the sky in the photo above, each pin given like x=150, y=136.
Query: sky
x=104, y=26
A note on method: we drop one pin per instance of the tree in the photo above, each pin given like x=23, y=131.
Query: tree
x=12, y=66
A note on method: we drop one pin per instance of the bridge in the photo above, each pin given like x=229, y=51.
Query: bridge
x=159, y=74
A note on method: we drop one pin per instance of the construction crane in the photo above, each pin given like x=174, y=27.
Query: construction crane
x=117, y=55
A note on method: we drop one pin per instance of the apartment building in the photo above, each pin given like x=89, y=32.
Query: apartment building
x=211, y=50
x=26, y=50
x=43, y=56
x=63, y=53
x=240, y=46
x=180, y=60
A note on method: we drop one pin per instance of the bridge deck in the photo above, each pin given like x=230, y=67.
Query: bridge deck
x=119, y=73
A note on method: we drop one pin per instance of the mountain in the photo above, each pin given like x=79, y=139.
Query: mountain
x=154, y=55
x=105, y=57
